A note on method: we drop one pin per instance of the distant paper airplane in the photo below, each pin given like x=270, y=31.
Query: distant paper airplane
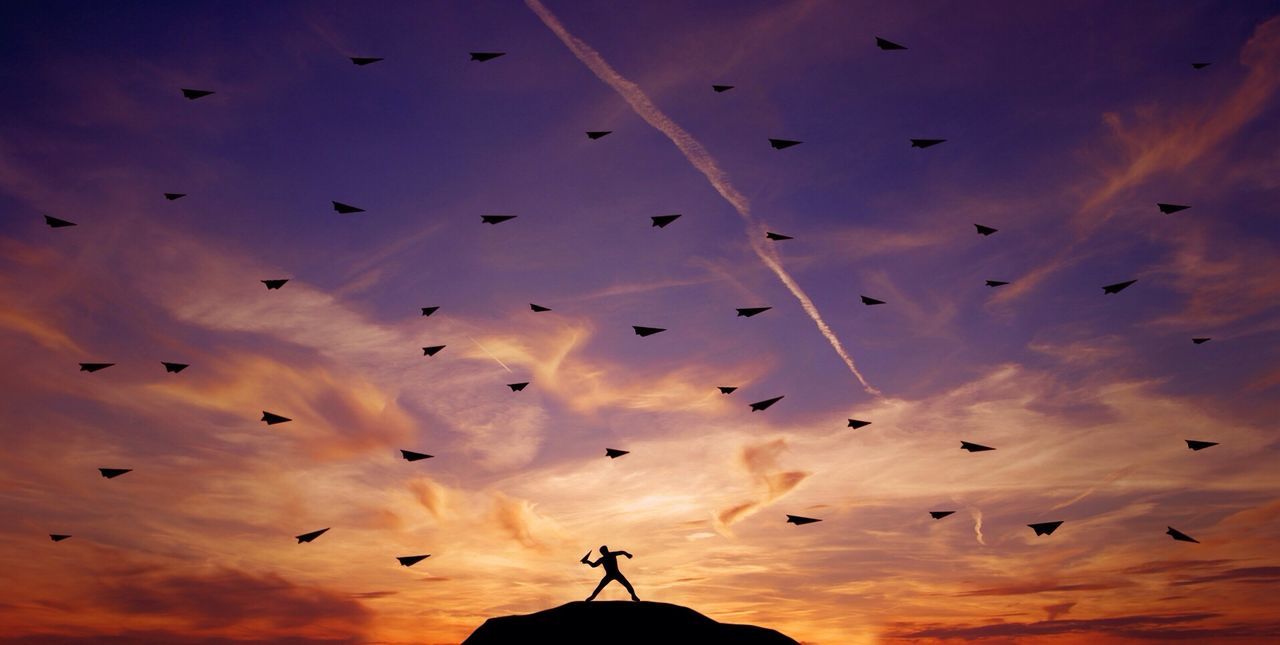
x=871, y=301
x=614, y=454
x=778, y=236
x=857, y=423
x=747, y=312
x=362, y=61
x=593, y=135
x=58, y=537
x=432, y=351
x=1171, y=208
x=173, y=196
x=722, y=88
x=925, y=143
x=495, y=219
x=54, y=222
x=974, y=447
x=798, y=520
x=516, y=387
x=174, y=368
x=112, y=473
x=647, y=331
x=1180, y=536
x=427, y=311
x=725, y=389
x=780, y=144
x=272, y=419
x=93, y=367
x=985, y=230
x=484, y=56
x=887, y=45
x=1200, y=341
x=661, y=221
x=307, y=537
x=410, y=455
x=1200, y=65
x=996, y=283
x=195, y=94
x=1117, y=287
x=1200, y=445
x=937, y=515
x=764, y=405
x=346, y=208
x=538, y=308
x=1045, y=528
x=410, y=560
x=274, y=284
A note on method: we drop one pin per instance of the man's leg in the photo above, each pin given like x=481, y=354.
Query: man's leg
x=623, y=581
x=603, y=581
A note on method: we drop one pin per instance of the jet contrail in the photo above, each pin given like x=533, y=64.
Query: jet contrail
x=703, y=161
x=482, y=348
x=977, y=525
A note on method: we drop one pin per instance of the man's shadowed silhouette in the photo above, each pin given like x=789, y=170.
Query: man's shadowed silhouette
x=610, y=561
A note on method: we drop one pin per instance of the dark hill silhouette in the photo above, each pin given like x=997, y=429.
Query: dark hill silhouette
x=612, y=622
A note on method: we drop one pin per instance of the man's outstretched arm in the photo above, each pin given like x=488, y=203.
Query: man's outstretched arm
x=629, y=556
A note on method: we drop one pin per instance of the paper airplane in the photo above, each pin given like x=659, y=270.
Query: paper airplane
x=1200, y=65
x=173, y=196
x=272, y=419
x=855, y=423
x=410, y=560
x=614, y=454
x=1199, y=445
x=174, y=368
x=427, y=311
x=996, y=283
x=484, y=56
x=112, y=473
x=346, y=208
x=887, y=45
x=195, y=94
x=307, y=537
x=721, y=88
x=985, y=230
x=925, y=143
x=780, y=144
x=1117, y=287
x=57, y=537
x=798, y=520
x=598, y=134
x=93, y=367
x=725, y=389
x=362, y=61
x=1171, y=208
x=647, y=331
x=778, y=236
x=937, y=515
x=748, y=312
x=1180, y=536
x=410, y=455
x=54, y=222
x=974, y=447
x=432, y=351
x=538, y=308
x=495, y=219
x=1200, y=341
x=661, y=221
x=1045, y=528
x=274, y=284
x=764, y=405
x=871, y=301
x=516, y=387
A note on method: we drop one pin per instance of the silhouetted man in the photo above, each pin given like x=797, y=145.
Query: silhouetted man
x=610, y=561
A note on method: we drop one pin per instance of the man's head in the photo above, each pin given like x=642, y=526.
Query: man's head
x=604, y=550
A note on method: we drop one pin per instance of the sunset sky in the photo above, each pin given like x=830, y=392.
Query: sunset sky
x=1065, y=124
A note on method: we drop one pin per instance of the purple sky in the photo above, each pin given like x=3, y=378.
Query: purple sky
x=1064, y=127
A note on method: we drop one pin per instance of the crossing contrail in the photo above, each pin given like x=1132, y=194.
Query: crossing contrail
x=705, y=163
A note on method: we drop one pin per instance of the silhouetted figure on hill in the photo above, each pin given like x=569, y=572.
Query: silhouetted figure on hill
x=610, y=561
